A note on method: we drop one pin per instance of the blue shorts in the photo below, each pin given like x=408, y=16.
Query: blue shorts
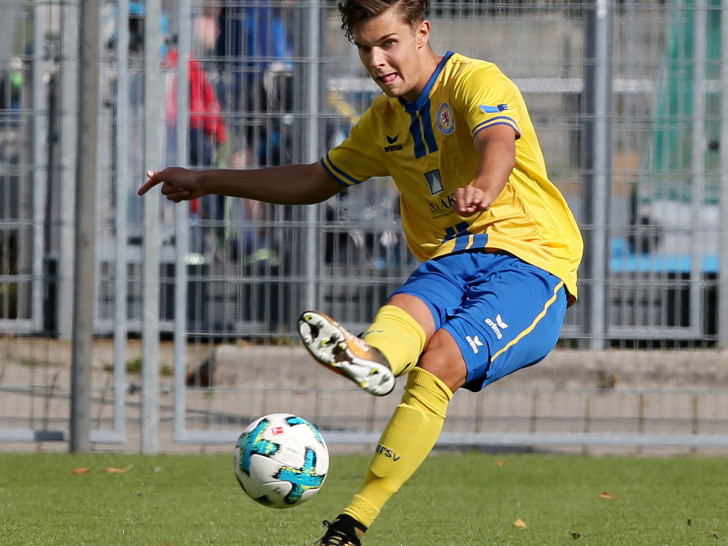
x=504, y=313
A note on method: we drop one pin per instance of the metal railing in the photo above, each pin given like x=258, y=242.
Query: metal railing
x=628, y=106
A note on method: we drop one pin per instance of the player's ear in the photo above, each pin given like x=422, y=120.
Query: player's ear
x=422, y=33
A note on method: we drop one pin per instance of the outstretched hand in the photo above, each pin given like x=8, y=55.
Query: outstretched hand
x=178, y=184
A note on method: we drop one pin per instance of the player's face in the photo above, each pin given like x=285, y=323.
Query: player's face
x=394, y=54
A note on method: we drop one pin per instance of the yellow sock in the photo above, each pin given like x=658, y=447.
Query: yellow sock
x=398, y=336
x=409, y=437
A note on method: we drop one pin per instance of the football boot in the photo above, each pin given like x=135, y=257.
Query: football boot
x=335, y=347
x=344, y=531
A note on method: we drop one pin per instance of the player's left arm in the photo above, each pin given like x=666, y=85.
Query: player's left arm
x=496, y=147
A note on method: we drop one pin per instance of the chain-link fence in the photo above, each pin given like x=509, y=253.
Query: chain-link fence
x=627, y=99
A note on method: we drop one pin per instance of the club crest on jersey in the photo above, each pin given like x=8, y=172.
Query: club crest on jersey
x=445, y=119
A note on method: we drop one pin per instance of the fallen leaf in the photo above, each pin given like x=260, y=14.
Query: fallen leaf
x=520, y=523
x=607, y=496
x=81, y=470
x=114, y=470
x=500, y=463
x=575, y=535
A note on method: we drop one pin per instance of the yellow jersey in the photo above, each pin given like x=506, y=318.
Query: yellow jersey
x=427, y=148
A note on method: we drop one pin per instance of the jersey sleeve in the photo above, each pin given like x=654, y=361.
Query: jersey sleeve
x=486, y=97
x=356, y=159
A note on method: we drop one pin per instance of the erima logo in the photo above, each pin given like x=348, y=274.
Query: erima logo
x=474, y=343
x=392, y=146
x=383, y=450
x=493, y=109
x=497, y=326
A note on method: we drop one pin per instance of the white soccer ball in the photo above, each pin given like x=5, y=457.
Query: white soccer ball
x=281, y=460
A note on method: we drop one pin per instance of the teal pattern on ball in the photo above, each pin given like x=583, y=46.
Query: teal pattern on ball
x=302, y=479
x=252, y=443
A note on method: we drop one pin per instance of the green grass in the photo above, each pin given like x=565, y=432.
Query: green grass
x=458, y=499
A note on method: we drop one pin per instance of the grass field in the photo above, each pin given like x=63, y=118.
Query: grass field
x=460, y=499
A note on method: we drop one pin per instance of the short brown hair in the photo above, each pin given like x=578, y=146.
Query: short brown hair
x=354, y=12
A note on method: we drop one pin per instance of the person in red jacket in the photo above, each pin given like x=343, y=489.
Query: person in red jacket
x=207, y=130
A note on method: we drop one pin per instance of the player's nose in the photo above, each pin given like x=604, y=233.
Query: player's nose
x=376, y=57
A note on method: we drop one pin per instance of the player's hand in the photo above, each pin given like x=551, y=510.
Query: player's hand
x=470, y=199
x=178, y=184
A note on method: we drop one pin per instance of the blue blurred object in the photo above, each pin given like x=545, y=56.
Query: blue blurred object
x=137, y=13
x=625, y=260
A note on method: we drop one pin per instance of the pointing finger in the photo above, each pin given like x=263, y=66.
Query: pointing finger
x=149, y=184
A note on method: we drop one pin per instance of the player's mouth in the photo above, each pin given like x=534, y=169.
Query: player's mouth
x=388, y=79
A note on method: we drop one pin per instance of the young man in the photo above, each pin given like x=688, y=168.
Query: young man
x=499, y=245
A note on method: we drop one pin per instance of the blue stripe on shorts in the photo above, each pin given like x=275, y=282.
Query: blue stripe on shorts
x=504, y=313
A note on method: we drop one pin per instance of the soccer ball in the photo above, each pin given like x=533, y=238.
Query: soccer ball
x=281, y=460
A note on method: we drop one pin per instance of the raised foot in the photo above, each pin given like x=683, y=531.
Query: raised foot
x=335, y=347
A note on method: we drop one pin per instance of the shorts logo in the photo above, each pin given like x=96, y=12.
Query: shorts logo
x=445, y=121
x=474, y=343
x=497, y=326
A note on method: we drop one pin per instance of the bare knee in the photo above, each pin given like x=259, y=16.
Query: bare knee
x=443, y=359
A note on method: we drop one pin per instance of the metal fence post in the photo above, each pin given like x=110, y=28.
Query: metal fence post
x=40, y=156
x=723, y=248
x=181, y=218
x=121, y=289
x=596, y=164
x=313, y=47
x=85, y=261
x=68, y=74
x=697, y=163
x=153, y=125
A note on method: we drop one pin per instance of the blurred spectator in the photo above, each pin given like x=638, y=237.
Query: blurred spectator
x=207, y=128
x=11, y=86
x=254, y=50
x=253, y=53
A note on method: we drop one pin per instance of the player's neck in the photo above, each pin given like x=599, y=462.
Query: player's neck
x=429, y=63
x=432, y=60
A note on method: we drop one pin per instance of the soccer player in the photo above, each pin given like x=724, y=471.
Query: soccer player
x=498, y=244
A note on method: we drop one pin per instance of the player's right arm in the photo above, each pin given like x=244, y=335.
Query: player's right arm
x=285, y=185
